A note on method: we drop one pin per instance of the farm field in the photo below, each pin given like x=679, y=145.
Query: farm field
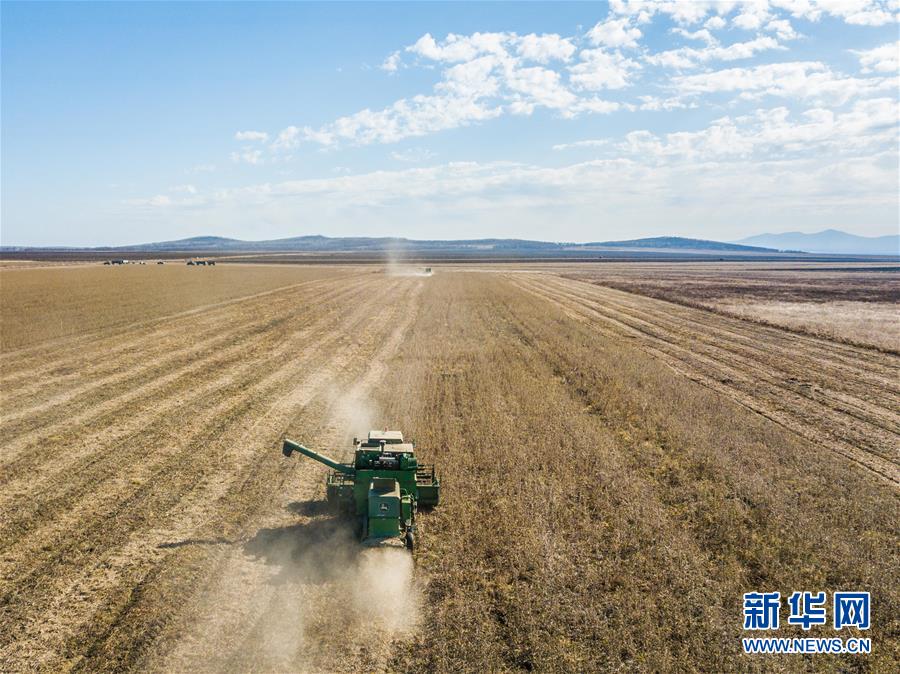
x=617, y=470
x=851, y=302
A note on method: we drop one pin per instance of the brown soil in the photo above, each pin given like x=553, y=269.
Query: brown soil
x=617, y=471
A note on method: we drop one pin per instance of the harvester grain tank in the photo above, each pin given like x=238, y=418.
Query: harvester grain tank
x=382, y=488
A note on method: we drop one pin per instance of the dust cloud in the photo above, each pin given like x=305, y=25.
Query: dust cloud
x=305, y=597
x=384, y=591
x=352, y=415
x=303, y=594
x=395, y=267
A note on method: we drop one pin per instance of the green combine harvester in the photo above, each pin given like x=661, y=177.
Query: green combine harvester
x=381, y=489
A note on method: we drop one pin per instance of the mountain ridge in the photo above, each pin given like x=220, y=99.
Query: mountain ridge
x=319, y=243
x=832, y=241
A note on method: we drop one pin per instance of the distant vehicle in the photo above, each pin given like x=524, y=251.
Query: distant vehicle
x=117, y=262
x=427, y=270
x=160, y=262
x=190, y=263
x=202, y=263
x=211, y=263
x=107, y=262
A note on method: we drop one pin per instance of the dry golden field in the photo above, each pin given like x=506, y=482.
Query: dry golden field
x=855, y=303
x=617, y=470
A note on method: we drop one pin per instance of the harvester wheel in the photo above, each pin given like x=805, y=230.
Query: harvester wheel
x=410, y=541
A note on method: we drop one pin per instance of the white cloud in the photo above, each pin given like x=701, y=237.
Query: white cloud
x=413, y=155
x=248, y=156
x=685, y=13
x=751, y=14
x=253, y=136
x=782, y=28
x=600, y=142
x=672, y=103
x=798, y=80
x=599, y=69
x=456, y=48
x=751, y=18
x=391, y=63
x=288, y=138
x=487, y=75
x=702, y=34
x=483, y=76
x=772, y=133
x=540, y=86
x=472, y=199
x=690, y=57
x=614, y=33
x=883, y=59
x=545, y=48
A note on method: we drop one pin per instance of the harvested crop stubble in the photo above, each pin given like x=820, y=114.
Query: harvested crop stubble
x=605, y=512
x=48, y=303
x=857, y=303
x=601, y=507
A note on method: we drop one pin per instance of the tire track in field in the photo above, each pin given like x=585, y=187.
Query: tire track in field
x=880, y=426
x=861, y=361
x=133, y=342
x=63, y=347
x=833, y=429
x=182, y=488
x=233, y=630
x=89, y=372
x=162, y=396
x=795, y=350
x=135, y=383
x=106, y=462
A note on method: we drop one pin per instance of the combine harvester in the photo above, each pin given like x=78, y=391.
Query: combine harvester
x=381, y=489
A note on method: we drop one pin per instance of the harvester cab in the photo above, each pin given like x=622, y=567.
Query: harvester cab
x=382, y=489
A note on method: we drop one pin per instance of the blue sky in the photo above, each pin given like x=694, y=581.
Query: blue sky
x=125, y=123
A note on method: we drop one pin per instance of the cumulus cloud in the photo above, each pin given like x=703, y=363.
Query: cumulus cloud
x=456, y=48
x=752, y=14
x=483, y=76
x=883, y=59
x=487, y=75
x=599, y=69
x=413, y=155
x=615, y=33
x=599, y=142
x=255, y=136
x=774, y=132
x=545, y=48
x=391, y=63
x=475, y=199
x=690, y=57
x=799, y=80
x=247, y=156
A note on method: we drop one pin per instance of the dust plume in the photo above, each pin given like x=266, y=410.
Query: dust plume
x=394, y=266
x=303, y=588
x=351, y=414
x=384, y=590
x=300, y=596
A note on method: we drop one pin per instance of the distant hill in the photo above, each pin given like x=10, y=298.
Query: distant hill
x=828, y=241
x=680, y=243
x=317, y=243
x=325, y=244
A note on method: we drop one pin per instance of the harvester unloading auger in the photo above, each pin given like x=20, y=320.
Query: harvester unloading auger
x=381, y=489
